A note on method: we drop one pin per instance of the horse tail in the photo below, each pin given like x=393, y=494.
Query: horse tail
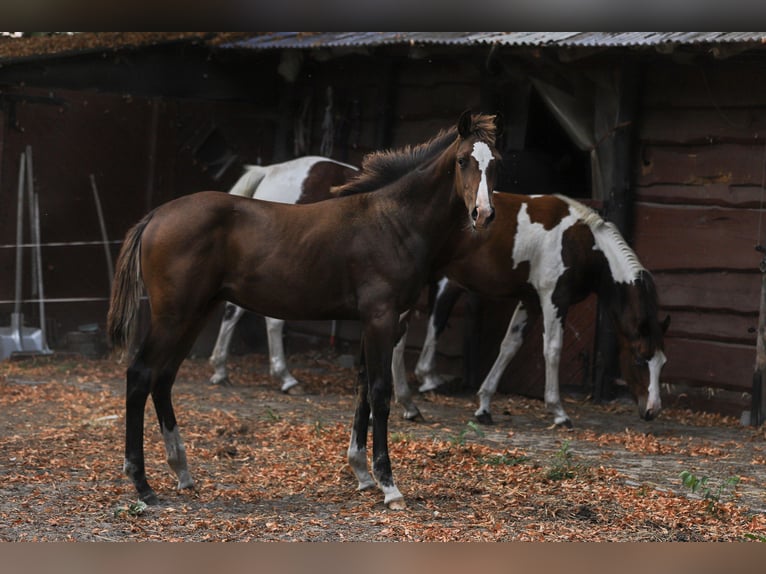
x=249, y=181
x=127, y=287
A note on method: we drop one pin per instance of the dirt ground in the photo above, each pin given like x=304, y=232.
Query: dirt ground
x=269, y=466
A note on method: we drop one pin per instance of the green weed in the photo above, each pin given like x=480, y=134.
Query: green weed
x=712, y=494
x=459, y=438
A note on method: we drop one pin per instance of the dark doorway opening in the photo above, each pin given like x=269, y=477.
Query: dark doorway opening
x=549, y=161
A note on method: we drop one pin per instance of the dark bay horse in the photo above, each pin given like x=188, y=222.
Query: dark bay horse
x=302, y=180
x=363, y=256
x=305, y=179
x=551, y=252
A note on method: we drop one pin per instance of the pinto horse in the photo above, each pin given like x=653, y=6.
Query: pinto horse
x=363, y=256
x=551, y=252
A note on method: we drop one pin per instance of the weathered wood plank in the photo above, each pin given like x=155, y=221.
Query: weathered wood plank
x=725, y=328
x=676, y=237
x=729, y=164
x=722, y=194
x=446, y=100
x=722, y=365
x=737, y=292
x=716, y=84
x=700, y=126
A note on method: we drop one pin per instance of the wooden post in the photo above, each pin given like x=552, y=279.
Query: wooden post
x=615, y=114
x=758, y=396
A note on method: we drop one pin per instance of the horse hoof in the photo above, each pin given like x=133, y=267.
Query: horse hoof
x=185, y=482
x=485, y=418
x=150, y=498
x=565, y=424
x=366, y=485
x=220, y=381
x=396, y=504
x=295, y=390
x=413, y=415
x=430, y=384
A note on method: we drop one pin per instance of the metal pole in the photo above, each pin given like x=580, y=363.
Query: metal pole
x=16, y=318
x=39, y=267
x=105, y=238
x=30, y=193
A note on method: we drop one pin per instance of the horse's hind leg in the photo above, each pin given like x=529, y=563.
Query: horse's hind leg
x=513, y=339
x=553, y=338
x=231, y=315
x=153, y=371
x=142, y=380
x=399, y=374
x=447, y=294
x=137, y=390
x=174, y=446
x=277, y=363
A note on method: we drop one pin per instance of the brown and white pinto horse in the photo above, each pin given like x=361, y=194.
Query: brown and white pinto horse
x=364, y=256
x=551, y=252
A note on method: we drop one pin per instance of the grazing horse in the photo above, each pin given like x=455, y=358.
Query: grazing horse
x=551, y=252
x=302, y=180
x=363, y=256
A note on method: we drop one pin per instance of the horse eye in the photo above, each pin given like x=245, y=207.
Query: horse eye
x=641, y=362
x=461, y=162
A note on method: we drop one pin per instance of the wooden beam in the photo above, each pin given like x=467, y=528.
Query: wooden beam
x=615, y=113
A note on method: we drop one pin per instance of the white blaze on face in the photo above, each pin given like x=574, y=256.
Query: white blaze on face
x=483, y=155
x=653, y=403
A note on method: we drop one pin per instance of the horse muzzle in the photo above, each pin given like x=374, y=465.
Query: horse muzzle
x=647, y=411
x=482, y=217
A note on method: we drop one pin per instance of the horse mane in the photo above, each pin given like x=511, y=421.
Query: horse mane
x=384, y=167
x=606, y=230
x=642, y=278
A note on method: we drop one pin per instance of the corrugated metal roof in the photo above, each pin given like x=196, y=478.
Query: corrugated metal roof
x=307, y=40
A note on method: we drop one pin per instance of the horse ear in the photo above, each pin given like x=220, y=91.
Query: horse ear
x=665, y=324
x=464, y=124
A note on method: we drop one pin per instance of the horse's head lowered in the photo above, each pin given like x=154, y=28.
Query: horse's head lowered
x=475, y=166
x=641, y=336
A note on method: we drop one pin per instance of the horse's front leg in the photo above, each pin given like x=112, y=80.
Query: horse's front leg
x=379, y=335
x=513, y=339
x=553, y=338
x=231, y=315
x=357, y=448
x=277, y=363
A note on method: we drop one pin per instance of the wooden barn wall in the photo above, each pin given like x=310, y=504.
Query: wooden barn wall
x=145, y=150
x=142, y=152
x=699, y=176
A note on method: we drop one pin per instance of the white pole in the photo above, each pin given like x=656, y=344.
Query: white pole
x=16, y=318
x=39, y=262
